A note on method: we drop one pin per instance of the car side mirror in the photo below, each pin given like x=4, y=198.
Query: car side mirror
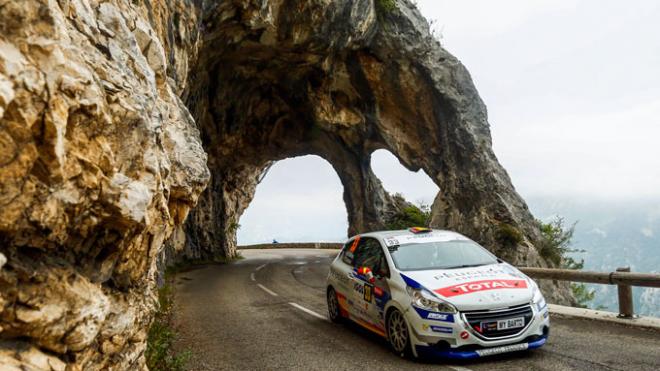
x=367, y=273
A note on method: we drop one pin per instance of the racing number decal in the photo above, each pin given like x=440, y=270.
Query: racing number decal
x=368, y=290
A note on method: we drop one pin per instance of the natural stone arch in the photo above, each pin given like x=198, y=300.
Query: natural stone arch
x=102, y=108
x=282, y=89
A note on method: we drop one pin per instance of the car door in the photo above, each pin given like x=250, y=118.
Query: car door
x=370, y=291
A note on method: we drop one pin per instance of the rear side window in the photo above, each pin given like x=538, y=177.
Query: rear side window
x=348, y=252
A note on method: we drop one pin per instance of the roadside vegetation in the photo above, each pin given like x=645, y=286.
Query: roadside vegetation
x=555, y=246
x=160, y=354
x=410, y=216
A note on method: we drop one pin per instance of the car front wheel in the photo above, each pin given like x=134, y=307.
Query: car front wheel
x=397, y=333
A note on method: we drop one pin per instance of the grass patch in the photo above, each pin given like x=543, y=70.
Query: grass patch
x=508, y=235
x=160, y=354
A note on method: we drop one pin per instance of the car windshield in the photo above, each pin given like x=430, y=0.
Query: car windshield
x=440, y=255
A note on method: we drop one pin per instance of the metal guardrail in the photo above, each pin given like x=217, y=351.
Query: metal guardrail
x=623, y=278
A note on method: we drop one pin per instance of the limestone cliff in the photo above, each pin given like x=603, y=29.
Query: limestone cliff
x=113, y=112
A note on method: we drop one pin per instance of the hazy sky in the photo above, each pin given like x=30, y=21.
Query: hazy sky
x=573, y=95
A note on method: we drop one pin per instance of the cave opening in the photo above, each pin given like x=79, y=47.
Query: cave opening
x=297, y=200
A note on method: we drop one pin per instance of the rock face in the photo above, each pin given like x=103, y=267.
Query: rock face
x=113, y=112
x=99, y=161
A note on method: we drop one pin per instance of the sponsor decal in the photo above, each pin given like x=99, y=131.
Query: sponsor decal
x=422, y=238
x=378, y=291
x=476, y=286
x=435, y=316
x=438, y=316
x=472, y=274
x=504, y=349
x=465, y=335
x=444, y=330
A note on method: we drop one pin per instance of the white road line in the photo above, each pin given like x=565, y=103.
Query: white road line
x=261, y=267
x=267, y=289
x=252, y=276
x=309, y=311
x=457, y=368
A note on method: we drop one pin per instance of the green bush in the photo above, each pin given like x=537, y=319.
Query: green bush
x=554, y=247
x=411, y=216
x=555, y=241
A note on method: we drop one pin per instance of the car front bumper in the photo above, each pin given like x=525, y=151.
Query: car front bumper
x=438, y=338
x=430, y=351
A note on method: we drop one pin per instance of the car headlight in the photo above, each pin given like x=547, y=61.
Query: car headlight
x=538, y=298
x=423, y=299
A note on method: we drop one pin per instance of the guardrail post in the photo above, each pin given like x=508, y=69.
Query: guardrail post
x=625, y=298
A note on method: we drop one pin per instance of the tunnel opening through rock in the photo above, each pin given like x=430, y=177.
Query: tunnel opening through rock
x=415, y=186
x=297, y=200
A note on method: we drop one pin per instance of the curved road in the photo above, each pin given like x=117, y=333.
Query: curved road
x=268, y=312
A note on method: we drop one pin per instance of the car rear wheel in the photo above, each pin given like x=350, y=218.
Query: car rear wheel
x=397, y=333
x=333, y=306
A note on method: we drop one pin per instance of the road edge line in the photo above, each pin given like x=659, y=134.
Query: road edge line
x=309, y=311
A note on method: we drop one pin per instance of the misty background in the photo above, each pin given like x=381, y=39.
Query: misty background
x=573, y=95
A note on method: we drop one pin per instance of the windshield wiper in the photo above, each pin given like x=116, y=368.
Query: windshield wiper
x=466, y=266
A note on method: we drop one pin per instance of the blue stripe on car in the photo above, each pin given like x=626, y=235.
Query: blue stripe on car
x=411, y=282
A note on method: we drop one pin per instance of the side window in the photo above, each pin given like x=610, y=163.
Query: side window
x=348, y=251
x=370, y=254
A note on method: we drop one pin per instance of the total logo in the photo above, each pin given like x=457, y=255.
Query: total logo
x=470, y=287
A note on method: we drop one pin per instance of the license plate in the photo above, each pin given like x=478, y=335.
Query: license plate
x=500, y=350
x=506, y=324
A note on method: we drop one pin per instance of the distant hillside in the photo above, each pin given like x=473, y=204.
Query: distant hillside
x=613, y=234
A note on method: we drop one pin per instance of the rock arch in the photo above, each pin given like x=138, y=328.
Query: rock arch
x=362, y=79
x=108, y=114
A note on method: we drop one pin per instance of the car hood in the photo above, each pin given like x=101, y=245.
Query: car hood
x=474, y=288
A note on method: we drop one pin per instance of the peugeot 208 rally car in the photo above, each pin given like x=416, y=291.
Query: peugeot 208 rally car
x=436, y=293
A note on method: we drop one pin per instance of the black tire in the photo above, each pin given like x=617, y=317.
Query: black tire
x=333, y=307
x=398, y=334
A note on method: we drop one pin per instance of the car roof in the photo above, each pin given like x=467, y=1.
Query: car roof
x=400, y=232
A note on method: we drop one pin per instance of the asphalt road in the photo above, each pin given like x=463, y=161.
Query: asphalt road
x=268, y=312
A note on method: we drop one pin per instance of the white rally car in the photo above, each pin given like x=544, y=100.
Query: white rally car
x=436, y=293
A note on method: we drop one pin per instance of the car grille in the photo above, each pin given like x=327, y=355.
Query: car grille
x=479, y=321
